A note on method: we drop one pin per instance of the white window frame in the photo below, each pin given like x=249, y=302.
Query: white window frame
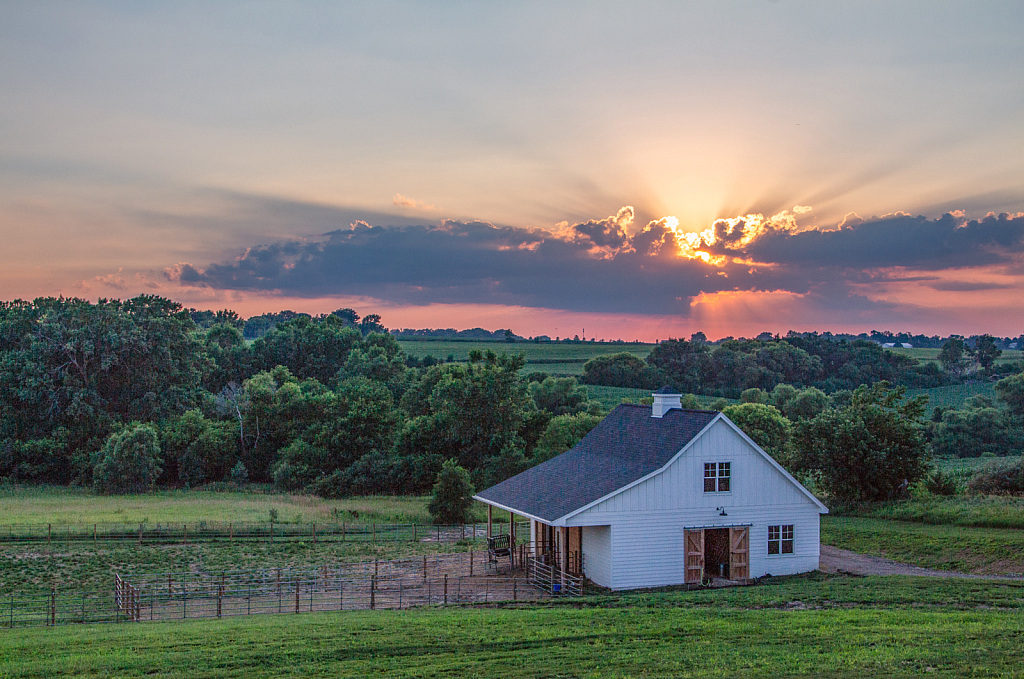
x=780, y=539
x=718, y=468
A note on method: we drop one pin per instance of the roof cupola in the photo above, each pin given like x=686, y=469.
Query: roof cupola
x=665, y=400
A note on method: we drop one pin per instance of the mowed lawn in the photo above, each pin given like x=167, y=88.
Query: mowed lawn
x=894, y=627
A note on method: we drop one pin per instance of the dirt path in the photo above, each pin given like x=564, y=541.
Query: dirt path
x=835, y=560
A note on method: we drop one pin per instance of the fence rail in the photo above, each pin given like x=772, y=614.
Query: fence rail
x=202, y=531
x=403, y=583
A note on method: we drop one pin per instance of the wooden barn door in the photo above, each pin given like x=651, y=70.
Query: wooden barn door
x=739, y=553
x=694, y=556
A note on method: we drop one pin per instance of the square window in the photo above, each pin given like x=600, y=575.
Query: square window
x=780, y=539
x=717, y=476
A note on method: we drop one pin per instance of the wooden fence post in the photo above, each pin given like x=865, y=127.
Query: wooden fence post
x=471, y=563
x=53, y=607
x=296, y=595
x=140, y=533
x=424, y=567
x=314, y=533
x=445, y=589
x=373, y=592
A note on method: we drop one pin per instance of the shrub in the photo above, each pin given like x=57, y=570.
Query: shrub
x=239, y=474
x=129, y=461
x=453, y=495
x=942, y=483
x=999, y=480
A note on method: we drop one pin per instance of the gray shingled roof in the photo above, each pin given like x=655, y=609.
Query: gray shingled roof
x=625, y=446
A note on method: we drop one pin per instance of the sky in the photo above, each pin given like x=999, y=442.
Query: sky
x=615, y=170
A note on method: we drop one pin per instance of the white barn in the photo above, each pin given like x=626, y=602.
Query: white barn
x=657, y=496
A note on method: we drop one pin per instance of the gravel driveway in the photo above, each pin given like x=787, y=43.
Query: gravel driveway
x=835, y=560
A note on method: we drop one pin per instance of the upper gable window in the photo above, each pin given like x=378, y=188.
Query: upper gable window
x=717, y=476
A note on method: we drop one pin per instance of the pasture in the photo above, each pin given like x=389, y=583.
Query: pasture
x=61, y=505
x=930, y=355
x=814, y=625
x=951, y=547
x=953, y=395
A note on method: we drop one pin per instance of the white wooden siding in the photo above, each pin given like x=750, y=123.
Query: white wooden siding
x=597, y=552
x=647, y=521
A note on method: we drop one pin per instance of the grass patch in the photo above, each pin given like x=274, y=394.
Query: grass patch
x=953, y=395
x=655, y=635
x=973, y=464
x=59, y=505
x=984, y=551
x=540, y=351
x=978, y=511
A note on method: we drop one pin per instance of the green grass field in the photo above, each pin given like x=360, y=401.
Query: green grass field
x=541, y=352
x=953, y=395
x=982, y=551
x=817, y=626
x=60, y=505
x=932, y=355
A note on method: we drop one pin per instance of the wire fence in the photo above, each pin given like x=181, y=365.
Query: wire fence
x=467, y=578
x=204, y=531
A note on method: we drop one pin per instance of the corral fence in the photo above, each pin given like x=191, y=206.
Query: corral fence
x=464, y=578
x=204, y=531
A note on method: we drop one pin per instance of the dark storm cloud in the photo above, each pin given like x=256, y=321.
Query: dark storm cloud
x=903, y=241
x=597, y=266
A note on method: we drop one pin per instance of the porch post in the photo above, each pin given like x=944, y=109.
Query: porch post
x=512, y=538
x=489, y=519
x=563, y=534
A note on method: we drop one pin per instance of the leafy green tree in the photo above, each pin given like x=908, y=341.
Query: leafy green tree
x=129, y=462
x=621, y=370
x=308, y=348
x=755, y=395
x=561, y=396
x=452, y=496
x=955, y=356
x=686, y=365
x=805, y=405
x=986, y=352
x=766, y=426
x=868, y=450
x=1010, y=390
x=562, y=433
x=197, y=449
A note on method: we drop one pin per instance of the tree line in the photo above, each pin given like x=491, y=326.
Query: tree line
x=331, y=404
x=128, y=395
x=799, y=359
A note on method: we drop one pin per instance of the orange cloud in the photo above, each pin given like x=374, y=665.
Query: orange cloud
x=405, y=201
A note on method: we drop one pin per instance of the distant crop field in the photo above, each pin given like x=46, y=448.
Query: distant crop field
x=953, y=395
x=811, y=626
x=542, y=352
x=932, y=355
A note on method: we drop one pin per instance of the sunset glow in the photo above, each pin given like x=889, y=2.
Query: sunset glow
x=551, y=168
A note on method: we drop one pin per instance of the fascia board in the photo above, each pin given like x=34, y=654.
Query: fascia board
x=511, y=510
